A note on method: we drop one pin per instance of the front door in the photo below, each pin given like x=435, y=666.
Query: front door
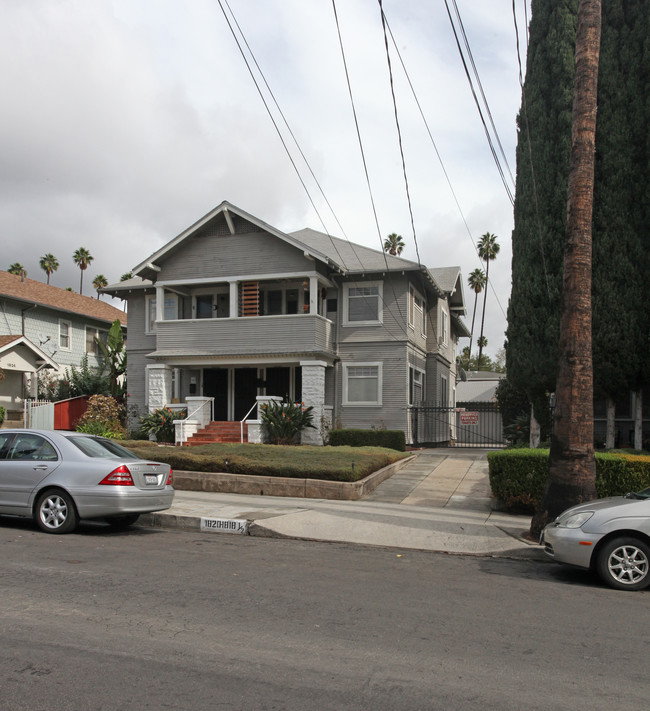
x=245, y=391
x=215, y=384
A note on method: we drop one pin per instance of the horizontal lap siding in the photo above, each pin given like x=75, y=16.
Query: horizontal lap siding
x=392, y=413
x=214, y=257
x=241, y=336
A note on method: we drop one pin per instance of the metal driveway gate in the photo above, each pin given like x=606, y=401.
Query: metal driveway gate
x=472, y=424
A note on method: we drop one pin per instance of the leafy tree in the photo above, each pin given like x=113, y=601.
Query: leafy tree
x=82, y=258
x=488, y=248
x=126, y=276
x=114, y=355
x=49, y=264
x=17, y=269
x=476, y=281
x=99, y=282
x=394, y=244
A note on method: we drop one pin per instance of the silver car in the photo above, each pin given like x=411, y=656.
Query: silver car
x=610, y=535
x=60, y=477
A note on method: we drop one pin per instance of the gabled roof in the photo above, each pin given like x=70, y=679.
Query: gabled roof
x=30, y=291
x=149, y=266
x=8, y=343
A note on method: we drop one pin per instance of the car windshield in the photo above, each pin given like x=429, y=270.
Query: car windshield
x=101, y=448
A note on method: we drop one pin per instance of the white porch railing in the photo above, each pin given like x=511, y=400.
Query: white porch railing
x=181, y=426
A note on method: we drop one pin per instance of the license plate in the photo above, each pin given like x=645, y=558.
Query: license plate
x=150, y=479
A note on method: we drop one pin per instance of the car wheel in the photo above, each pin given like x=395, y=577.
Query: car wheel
x=56, y=512
x=122, y=521
x=624, y=563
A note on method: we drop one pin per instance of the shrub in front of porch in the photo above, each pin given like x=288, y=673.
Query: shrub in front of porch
x=104, y=416
x=160, y=423
x=282, y=422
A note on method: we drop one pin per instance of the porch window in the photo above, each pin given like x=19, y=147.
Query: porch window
x=363, y=304
x=170, y=311
x=65, y=331
x=362, y=384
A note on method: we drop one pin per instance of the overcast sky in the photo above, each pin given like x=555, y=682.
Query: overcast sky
x=125, y=121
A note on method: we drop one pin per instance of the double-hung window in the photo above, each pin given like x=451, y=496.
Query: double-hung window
x=91, y=344
x=65, y=335
x=417, y=311
x=363, y=303
x=362, y=384
x=170, y=311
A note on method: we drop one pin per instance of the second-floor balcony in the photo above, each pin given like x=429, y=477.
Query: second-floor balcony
x=295, y=333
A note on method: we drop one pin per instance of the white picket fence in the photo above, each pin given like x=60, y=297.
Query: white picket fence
x=38, y=415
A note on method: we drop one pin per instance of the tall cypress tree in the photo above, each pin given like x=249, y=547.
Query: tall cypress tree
x=544, y=128
x=621, y=227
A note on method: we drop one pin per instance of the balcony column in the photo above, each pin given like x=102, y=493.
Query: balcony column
x=159, y=386
x=313, y=295
x=234, y=305
x=160, y=303
x=313, y=394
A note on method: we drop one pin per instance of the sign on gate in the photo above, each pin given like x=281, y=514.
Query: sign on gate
x=469, y=418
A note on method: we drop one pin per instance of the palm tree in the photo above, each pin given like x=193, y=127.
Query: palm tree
x=17, y=269
x=49, y=264
x=126, y=276
x=476, y=281
x=488, y=248
x=394, y=244
x=82, y=258
x=99, y=282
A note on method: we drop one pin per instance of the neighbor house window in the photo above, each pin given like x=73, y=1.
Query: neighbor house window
x=417, y=311
x=362, y=384
x=170, y=311
x=65, y=335
x=363, y=304
x=91, y=344
x=444, y=325
x=416, y=386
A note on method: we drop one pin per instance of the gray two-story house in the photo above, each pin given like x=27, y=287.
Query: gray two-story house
x=233, y=309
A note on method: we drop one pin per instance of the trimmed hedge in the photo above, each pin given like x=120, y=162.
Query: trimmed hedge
x=392, y=439
x=518, y=476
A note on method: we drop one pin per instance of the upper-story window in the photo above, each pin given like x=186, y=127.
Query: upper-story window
x=444, y=325
x=65, y=335
x=363, y=303
x=170, y=311
x=91, y=343
x=417, y=311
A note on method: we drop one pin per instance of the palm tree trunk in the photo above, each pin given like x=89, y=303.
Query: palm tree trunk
x=572, y=470
x=480, y=343
x=471, y=333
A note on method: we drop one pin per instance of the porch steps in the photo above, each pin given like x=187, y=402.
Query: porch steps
x=218, y=432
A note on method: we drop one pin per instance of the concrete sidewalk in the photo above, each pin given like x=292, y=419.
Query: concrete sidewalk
x=439, y=501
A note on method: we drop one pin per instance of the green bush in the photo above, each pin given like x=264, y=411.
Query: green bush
x=282, y=422
x=391, y=439
x=3, y=413
x=518, y=476
x=160, y=423
x=103, y=416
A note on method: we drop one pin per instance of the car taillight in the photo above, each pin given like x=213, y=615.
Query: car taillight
x=169, y=478
x=119, y=477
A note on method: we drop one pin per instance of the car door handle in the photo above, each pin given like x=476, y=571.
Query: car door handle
x=41, y=466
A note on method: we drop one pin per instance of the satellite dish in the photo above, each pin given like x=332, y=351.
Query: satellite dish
x=462, y=374
x=42, y=338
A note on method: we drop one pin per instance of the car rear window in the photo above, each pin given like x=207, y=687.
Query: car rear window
x=101, y=448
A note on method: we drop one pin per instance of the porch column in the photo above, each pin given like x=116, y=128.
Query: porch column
x=313, y=395
x=159, y=386
x=234, y=305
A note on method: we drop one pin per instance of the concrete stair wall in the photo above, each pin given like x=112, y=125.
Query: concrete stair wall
x=218, y=432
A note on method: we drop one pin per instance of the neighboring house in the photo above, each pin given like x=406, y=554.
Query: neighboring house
x=478, y=386
x=43, y=326
x=234, y=309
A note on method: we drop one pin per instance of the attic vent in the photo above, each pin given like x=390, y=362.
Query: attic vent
x=249, y=298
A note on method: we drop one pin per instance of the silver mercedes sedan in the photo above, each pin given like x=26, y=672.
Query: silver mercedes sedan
x=609, y=535
x=58, y=478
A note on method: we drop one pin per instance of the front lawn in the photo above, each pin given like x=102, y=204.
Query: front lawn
x=302, y=462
